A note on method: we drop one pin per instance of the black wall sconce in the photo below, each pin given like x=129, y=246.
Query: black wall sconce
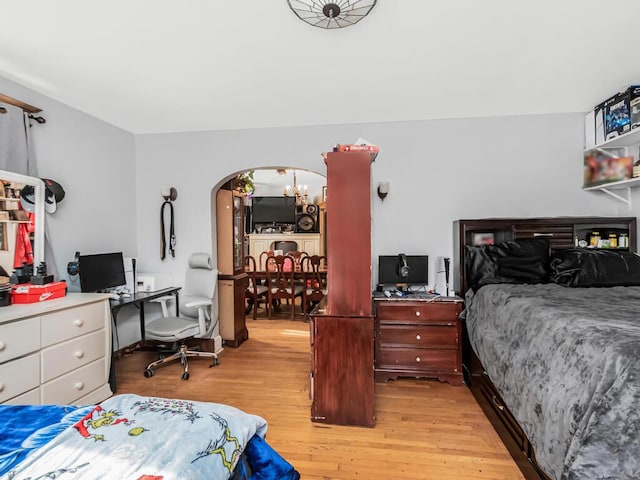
x=383, y=190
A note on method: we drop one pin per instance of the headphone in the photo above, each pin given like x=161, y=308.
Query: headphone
x=403, y=268
x=73, y=268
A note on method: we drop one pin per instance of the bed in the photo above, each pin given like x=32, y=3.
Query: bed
x=138, y=438
x=551, y=342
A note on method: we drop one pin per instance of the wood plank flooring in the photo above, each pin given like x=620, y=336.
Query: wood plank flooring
x=424, y=429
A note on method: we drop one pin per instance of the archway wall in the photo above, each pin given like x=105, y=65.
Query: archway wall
x=197, y=164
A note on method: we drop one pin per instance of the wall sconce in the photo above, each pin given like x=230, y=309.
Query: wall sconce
x=169, y=194
x=383, y=190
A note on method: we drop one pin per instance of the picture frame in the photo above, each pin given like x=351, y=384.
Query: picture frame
x=324, y=193
x=483, y=238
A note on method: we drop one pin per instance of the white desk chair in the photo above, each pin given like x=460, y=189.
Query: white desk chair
x=195, y=315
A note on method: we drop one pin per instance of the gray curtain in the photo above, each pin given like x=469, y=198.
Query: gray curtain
x=18, y=155
x=13, y=140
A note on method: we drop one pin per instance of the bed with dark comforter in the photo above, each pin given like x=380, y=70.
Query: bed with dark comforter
x=137, y=438
x=579, y=401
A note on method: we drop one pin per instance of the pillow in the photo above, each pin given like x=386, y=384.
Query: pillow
x=516, y=261
x=584, y=267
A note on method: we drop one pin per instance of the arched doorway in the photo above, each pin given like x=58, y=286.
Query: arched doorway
x=263, y=192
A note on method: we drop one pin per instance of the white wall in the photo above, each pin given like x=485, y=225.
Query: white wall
x=439, y=171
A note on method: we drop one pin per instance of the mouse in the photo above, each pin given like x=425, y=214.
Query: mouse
x=387, y=293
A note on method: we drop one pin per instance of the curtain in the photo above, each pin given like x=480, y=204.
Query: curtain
x=17, y=155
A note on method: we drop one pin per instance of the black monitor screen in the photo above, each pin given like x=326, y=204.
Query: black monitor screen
x=101, y=271
x=273, y=210
x=389, y=270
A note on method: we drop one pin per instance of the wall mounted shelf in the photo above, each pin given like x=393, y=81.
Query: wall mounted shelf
x=619, y=188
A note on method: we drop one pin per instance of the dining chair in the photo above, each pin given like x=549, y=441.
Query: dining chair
x=315, y=281
x=280, y=282
x=255, y=291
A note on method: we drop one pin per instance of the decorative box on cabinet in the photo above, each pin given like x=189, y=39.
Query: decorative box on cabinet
x=417, y=338
x=232, y=280
x=56, y=352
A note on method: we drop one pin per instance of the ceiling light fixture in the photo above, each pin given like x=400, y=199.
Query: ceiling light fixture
x=335, y=14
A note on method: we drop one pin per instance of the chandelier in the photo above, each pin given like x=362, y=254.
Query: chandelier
x=331, y=14
x=301, y=195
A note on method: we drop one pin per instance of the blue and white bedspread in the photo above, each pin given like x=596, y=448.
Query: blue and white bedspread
x=565, y=361
x=130, y=437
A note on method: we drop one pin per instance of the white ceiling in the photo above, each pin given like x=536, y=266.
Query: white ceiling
x=166, y=66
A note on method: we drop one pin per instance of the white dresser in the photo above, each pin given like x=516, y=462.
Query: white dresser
x=57, y=351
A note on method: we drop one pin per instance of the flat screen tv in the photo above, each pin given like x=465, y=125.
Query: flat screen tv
x=102, y=271
x=273, y=210
x=389, y=270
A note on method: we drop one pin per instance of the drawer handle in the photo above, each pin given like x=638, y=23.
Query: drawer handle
x=418, y=337
x=2, y=345
x=78, y=354
x=79, y=386
x=417, y=314
x=1, y=387
x=497, y=404
x=78, y=322
x=418, y=359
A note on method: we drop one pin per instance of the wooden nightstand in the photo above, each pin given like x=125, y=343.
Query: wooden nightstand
x=418, y=337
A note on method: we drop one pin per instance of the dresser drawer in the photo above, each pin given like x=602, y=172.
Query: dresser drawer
x=67, y=356
x=420, y=312
x=19, y=376
x=73, y=385
x=32, y=397
x=419, y=335
x=433, y=360
x=19, y=338
x=72, y=322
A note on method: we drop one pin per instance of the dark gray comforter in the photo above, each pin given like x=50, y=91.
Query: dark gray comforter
x=565, y=361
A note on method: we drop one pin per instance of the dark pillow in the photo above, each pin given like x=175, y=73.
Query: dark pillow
x=584, y=267
x=517, y=261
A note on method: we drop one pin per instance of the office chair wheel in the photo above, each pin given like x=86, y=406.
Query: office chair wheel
x=185, y=376
x=148, y=373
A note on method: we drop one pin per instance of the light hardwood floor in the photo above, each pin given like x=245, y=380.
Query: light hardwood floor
x=424, y=429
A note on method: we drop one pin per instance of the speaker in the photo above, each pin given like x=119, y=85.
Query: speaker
x=307, y=218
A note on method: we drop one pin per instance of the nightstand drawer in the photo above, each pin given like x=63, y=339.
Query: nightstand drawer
x=434, y=360
x=419, y=335
x=422, y=312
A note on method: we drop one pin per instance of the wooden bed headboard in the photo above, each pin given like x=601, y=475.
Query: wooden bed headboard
x=561, y=232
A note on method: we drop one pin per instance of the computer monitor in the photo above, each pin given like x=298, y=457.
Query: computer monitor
x=100, y=272
x=390, y=268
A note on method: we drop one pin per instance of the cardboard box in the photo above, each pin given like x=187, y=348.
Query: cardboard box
x=28, y=293
x=617, y=112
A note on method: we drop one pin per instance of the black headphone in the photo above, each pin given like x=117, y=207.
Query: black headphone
x=403, y=268
x=73, y=268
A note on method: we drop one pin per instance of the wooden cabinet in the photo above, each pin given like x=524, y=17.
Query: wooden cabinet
x=263, y=242
x=232, y=281
x=415, y=338
x=56, y=352
x=342, y=383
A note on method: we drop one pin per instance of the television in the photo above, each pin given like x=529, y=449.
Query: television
x=273, y=210
x=100, y=272
x=390, y=268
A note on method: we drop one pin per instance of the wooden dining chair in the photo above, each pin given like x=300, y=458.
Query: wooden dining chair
x=281, y=285
x=263, y=259
x=255, y=291
x=297, y=257
x=315, y=281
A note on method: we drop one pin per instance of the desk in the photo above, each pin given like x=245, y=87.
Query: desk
x=138, y=299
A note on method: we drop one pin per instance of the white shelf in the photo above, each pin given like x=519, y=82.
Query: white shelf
x=624, y=140
x=619, y=185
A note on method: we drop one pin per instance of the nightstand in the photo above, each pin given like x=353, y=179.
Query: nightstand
x=418, y=337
